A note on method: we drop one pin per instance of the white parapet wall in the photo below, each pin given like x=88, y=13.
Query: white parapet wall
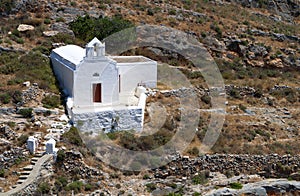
x=109, y=118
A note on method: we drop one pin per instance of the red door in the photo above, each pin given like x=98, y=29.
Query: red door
x=97, y=92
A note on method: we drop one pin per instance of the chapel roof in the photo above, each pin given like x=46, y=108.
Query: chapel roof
x=72, y=53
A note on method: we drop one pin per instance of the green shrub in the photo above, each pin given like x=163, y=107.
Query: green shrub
x=60, y=19
x=76, y=186
x=288, y=93
x=200, y=179
x=26, y=112
x=72, y=136
x=42, y=49
x=44, y=188
x=89, y=187
x=22, y=139
x=194, y=151
x=236, y=185
x=242, y=107
x=51, y=101
x=234, y=93
x=196, y=194
x=150, y=187
x=47, y=21
x=73, y=3
x=172, y=12
x=17, y=96
x=11, y=124
x=150, y=12
x=6, y=5
x=19, y=41
x=5, y=98
x=86, y=27
x=63, y=37
x=60, y=156
x=2, y=173
x=112, y=135
x=206, y=99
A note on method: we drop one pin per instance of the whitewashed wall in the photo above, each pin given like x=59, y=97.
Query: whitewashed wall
x=64, y=72
x=85, y=78
x=139, y=72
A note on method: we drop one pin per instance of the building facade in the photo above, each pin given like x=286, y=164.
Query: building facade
x=101, y=89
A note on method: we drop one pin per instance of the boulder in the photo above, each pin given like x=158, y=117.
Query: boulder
x=25, y=27
x=276, y=63
x=214, y=43
x=50, y=33
x=61, y=27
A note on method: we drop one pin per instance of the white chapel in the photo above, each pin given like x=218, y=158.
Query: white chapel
x=104, y=92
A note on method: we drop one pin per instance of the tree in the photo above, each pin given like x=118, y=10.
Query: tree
x=86, y=27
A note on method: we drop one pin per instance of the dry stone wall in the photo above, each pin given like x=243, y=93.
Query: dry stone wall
x=110, y=120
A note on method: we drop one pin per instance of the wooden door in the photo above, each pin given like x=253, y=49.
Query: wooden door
x=97, y=92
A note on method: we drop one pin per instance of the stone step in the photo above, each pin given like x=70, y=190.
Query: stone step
x=20, y=181
x=28, y=168
x=35, y=159
x=24, y=173
x=38, y=154
x=24, y=177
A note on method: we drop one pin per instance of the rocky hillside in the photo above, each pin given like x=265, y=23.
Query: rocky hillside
x=256, y=45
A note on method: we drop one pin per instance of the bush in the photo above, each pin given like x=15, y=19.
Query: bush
x=172, y=12
x=44, y=188
x=42, y=49
x=236, y=185
x=60, y=19
x=200, y=179
x=26, y=112
x=89, y=187
x=76, y=186
x=86, y=27
x=22, y=139
x=2, y=173
x=47, y=21
x=194, y=151
x=6, y=6
x=63, y=37
x=5, y=98
x=242, y=107
x=33, y=66
x=17, y=96
x=60, y=156
x=206, y=99
x=234, y=93
x=150, y=187
x=51, y=101
x=72, y=136
x=112, y=135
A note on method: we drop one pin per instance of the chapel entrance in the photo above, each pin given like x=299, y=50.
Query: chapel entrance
x=97, y=92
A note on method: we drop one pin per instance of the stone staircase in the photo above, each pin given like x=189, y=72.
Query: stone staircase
x=27, y=169
x=29, y=173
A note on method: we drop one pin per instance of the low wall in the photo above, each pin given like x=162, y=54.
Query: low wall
x=109, y=120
